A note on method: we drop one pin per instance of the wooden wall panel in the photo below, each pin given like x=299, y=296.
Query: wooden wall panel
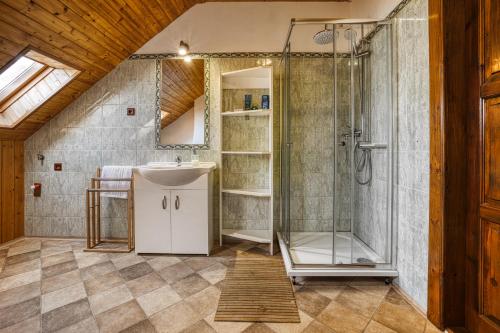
x=490, y=288
x=491, y=151
x=11, y=190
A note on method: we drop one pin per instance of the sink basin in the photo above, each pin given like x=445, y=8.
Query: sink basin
x=170, y=174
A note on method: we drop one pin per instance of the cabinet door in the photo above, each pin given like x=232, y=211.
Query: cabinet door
x=152, y=223
x=189, y=221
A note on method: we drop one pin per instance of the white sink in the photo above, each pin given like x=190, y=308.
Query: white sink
x=171, y=174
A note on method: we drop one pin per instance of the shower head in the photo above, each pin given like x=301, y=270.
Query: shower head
x=324, y=36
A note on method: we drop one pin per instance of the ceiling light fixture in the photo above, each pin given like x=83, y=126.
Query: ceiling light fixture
x=187, y=58
x=183, y=48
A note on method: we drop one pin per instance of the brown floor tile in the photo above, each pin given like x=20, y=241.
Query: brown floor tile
x=109, y=299
x=328, y=291
x=226, y=326
x=96, y=270
x=19, y=268
x=60, y=281
x=19, y=294
x=19, y=312
x=317, y=327
x=103, y=282
x=22, y=248
x=160, y=263
x=204, y=302
x=359, y=301
x=66, y=316
x=61, y=297
x=190, y=285
x=175, y=318
x=430, y=328
x=379, y=291
x=59, y=269
x=305, y=320
x=53, y=250
x=175, y=272
x=199, y=327
x=145, y=284
x=22, y=257
x=199, y=263
x=120, y=317
x=258, y=328
x=311, y=302
x=144, y=326
x=86, y=259
x=158, y=300
x=215, y=273
x=135, y=271
x=342, y=319
x=31, y=325
x=376, y=327
x=18, y=280
x=400, y=317
x=125, y=260
x=88, y=325
x=57, y=258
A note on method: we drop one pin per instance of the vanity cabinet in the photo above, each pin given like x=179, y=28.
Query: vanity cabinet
x=173, y=219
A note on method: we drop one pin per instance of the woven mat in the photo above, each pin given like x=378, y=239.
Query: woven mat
x=257, y=289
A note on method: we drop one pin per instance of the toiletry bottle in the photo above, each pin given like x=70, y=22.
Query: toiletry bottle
x=195, y=159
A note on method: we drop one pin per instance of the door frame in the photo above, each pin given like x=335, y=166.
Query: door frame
x=455, y=119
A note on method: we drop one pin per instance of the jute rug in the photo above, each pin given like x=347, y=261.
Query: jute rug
x=257, y=289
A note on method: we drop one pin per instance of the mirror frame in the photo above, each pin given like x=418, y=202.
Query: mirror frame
x=206, y=144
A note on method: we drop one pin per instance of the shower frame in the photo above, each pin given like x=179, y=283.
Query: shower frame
x=387, y=270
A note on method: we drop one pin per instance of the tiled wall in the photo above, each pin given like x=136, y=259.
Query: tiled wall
x=412, y=188
x=95, y=131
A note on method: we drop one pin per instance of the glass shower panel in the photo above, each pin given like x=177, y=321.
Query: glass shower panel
x=310, y=147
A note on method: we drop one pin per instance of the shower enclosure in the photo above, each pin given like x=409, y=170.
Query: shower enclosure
x=337, y=125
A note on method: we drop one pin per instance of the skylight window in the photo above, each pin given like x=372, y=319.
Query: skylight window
x=28, y=82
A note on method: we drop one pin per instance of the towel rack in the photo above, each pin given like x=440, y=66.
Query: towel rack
x=93, y=213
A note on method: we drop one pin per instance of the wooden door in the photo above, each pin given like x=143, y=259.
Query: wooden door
x=485, y=313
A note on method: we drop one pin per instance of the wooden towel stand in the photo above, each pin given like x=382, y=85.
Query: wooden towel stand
x=93, y=200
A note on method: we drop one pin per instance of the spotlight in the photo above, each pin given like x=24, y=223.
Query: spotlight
x=183, y=48
x=187, y=58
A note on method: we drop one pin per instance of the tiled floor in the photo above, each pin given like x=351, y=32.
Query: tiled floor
x=52, y=285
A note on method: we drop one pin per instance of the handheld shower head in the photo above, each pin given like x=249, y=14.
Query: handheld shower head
x=324, y=36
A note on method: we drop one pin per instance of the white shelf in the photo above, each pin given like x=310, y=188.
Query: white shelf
x=246, y=152
x=259, y=236
x=264, y=193
x=251, y=113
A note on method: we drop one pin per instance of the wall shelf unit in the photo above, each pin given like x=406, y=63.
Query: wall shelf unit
x=246, y=174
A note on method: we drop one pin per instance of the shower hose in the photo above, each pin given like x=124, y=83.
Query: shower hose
x=362, y=163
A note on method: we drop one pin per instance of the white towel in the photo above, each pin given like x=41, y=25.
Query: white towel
x=114, y=171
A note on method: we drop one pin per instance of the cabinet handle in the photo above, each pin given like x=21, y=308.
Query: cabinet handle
x=164, y=202
x=177, y=202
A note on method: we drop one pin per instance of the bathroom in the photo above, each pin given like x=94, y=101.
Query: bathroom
x=172, y=173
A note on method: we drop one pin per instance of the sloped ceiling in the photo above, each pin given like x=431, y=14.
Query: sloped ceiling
x=91, y=35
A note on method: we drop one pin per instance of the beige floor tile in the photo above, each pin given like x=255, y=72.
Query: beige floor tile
x=66, y=316
x=311, y=302
x=19, y=280
x=190, y=285
x=135, y=271
x=59, y=269
x=96, y=270
x=61, y=297
x=317, y=327
x=375, y=290
x=204, y=302
x=258, y=328
x=430, y=328
x=126, y=260
x=175, y=272
x=305, y=320
x=109, y=299
x=144, y=326
x=57, y=258
x=328, y=291
x=226, y=326
x=22, y=257
x=376, y=327
x=19, y=312
x=20, y=268
x=358, y=301
x=103, y=282
x=158, y=300
x=31, y=325
x=88, y=325
x=55, y=250
x=160, y=263
x=120, y=317
x=85, y=259
x=400, y=317
x=199, y=263
x=174, y=318
x=60, y=281
x=342, y=319
x=19, y=294
x=199, y=327
x=214, y=274
x=22, y=249
x=145, y=284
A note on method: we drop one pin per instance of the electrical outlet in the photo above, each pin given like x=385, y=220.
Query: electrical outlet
x=130, y=111
x=57, y=166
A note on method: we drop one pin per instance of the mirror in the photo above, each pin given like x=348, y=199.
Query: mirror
x=182, y=106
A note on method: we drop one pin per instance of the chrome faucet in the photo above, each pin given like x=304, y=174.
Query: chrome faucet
x=178, y=159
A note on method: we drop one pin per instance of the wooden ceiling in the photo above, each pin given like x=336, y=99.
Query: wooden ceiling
x=93, y=36
x=182, y=83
